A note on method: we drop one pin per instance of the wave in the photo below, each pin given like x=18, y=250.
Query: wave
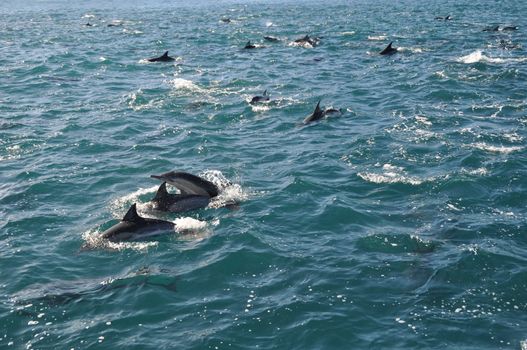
x=478, y=56
x=496, y=149
x=390, y=174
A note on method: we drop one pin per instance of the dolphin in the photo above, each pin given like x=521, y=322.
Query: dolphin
x=507, y=28
x=316, y=115
x=249, y=45
x=388, y=50
x=308, y=40
x=262, y=98
x=177, y=203
x=319, y=113
x=189, y=184
x=447, y=18
x=271, y=38
x=163, y=58
x=134, y=226
x=492, y=29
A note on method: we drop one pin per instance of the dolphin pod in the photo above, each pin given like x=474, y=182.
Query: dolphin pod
x=196, y=193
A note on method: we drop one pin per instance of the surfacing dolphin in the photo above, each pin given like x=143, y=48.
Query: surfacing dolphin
x=163, y=58
x=188, y=183
x=388, y=50
x=260, y=98
x=272, y=39
x=133, y=226
x=313, y=41
x=177, y=203
x=319, y=113
x=249, y=45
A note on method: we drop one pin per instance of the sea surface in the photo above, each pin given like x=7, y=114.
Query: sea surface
x=400, y=223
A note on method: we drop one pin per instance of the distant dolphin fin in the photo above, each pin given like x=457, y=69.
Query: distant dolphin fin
x=131, y=215
x=265, y=92
x=389, y=45
x=161, y=192
x=165, y=54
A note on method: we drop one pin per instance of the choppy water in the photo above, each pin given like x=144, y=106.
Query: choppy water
x=399, y=224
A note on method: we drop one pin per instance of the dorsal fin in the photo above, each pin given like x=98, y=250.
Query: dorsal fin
x=161, y=192
x=265, y=93
x=248, y=43
x=317, y=109
x=389, y=45
x=165, y=54
x=131, y=215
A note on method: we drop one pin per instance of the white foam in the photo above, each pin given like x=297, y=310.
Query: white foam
x=301, y=44
x=478, y=56
x=117, y=205
x=348, y=33
x=184, y=84
x=377, y=37
x=390, y=174
x=230, y=193
x=496, y=149
x=423, y=120
x=411, y=49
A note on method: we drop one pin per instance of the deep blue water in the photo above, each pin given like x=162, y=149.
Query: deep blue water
x=399, y=224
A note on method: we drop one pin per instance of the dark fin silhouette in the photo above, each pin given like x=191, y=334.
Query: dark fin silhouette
x=131, y=215
x=388, y=50
x=318, y=111
x=165, y=54
x=161, y=193
x=265, y=93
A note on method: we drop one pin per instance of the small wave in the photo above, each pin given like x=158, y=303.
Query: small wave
x=230, y=193
x=184, y=84
x=423, y=120
x=478, y=56
x=496, y=149
x=411, y=49
x=117, y=205
x=305, y=45
x=390, y=174
x=377, y=37
x=93, y=240
x=348, y=33
x=260, y=108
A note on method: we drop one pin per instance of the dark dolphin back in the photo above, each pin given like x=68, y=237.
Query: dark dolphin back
x=188, y=183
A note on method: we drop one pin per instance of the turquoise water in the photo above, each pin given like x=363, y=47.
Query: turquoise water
x=399, y=224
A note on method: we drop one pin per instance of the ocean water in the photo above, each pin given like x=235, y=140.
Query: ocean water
x=399, y=224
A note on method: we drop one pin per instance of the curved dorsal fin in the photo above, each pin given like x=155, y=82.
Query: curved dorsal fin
x=265, y=93
x=317, y=108
x=389, y=45
x=165, y=54
x=131, y=215
x=161, y=192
